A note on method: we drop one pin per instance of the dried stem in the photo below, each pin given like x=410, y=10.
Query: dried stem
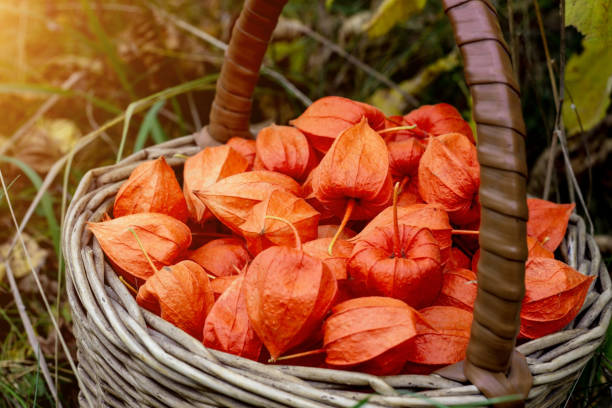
x=396, y=129
x=464, y=232
x=298, y=240
x=143, y=250
x=347, y=216
x=396, y=240
x=127, y=285
x=296, y=355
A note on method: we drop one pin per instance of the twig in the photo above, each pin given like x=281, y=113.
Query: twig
x=42, y=292
x=44, y=108
x=197, y=122
x=32, y=339
x=551, y=74
x=288, y=86
x=299, y=27
x=513, y=41
x=94, y=125
x=553, y=85
x=276, y=76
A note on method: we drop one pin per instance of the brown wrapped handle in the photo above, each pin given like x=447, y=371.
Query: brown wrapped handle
x=491, y=363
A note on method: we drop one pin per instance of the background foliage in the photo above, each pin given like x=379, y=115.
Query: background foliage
x=93, y=73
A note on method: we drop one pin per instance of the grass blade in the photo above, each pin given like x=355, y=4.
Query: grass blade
x=8, y=88
x=197, y=84
x=46, y=202
x=107, y=47
x=149, y=123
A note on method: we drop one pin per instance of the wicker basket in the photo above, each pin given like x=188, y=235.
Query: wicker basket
x=130, y=357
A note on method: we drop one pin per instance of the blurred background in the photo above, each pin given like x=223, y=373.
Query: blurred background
x=83, y=82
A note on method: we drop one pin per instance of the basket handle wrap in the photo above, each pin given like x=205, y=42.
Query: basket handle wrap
x=501, y=153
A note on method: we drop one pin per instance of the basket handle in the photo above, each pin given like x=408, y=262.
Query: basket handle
x=491, y=363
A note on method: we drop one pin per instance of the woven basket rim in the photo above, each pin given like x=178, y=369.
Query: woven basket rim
x=108, y=318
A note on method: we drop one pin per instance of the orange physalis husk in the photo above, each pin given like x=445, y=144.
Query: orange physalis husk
x=404, y=157
x=436, y=120
x=232, y=199
x=449, y=173
x=369, y=334
x=309, y=196
x=286, y=150
x=410, y=192
x=329, y=230
x=246, y=148
x=287, y=295
x=151, y=187
x=409, y=270
x=180, y=294
x=338, y=261
x=164, y=239
x=548, y=221
x=329, y=116
x=458, y=259
x=459, y=288
x=261, y=232
x=537, y=250
x=221, y=283
x=222, y=257
x=355, y=168
x=227, y=326
x=441, y=344
x=554, y=294
x=429, y=216
x=205, y=169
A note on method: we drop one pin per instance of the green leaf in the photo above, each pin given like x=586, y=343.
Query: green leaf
x=588, y=78
x=150, y=124
x=593, y=18
x=391, y=12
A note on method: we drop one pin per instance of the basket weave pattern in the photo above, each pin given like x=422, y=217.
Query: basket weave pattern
x=129, y=357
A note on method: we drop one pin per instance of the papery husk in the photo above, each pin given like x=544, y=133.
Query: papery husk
x=287, y=295
x=412, y=272
x=163, y=237
x=444, y=342
x=324, y=120
x=227, y=326
x=180, y=294
x=205, y=169
x=245, y=147
x=286, y=150
x=459, y=288
x=222, y=257
x=548, y=221
x=554, y=294
x=430, y=216
x=369, y=333
x=449, y=174
x=151, y=188
x=261, y=232
x=356, y=167
x=232, y=199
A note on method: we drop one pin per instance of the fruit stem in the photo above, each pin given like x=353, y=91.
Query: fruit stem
x=397, y=129
x=180, y=156
x=143, y=250
x=464, y=232
x=396, y=240
x=298, y=241
x=347, y=216
x=296, y=355
x=130, y=287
